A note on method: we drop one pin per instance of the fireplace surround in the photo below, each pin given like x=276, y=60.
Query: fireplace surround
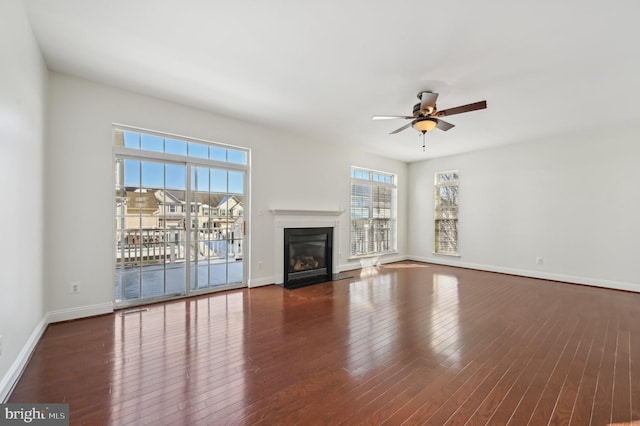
x=308, y=256
x=298, y=218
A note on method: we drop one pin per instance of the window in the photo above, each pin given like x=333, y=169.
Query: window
x=446, y=213
x=195, y=149
x=373, y=212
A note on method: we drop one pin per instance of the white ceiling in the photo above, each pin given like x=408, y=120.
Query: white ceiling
x=322, y=69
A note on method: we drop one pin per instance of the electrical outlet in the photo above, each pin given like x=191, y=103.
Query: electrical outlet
x=260, y=264
x=0, y=345
x=539, y=260
x=74, y=287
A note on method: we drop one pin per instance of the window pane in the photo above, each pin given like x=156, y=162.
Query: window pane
x=444, y=177
x=360, y=174
x=132, y=173
x=218, y=154
x=447, y=236
x=152, y=143
x=132, y=140
x=175, y=147
x=202, y=179
x=236, y=182
x=152, y=175
x=218, y=180
x=175, y=176
x=237, y=157
x=198, y=150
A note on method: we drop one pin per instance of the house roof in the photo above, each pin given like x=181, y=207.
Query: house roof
x=144, y=202
x=320, y=70
x=212, y=200
x=166, y=197
x=228, y=202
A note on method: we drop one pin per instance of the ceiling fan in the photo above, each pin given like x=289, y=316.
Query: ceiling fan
x=426, y=116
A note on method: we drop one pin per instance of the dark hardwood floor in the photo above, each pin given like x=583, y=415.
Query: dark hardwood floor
x=404, y=343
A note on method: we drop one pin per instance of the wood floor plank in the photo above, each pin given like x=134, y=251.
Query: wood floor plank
x=529, y=401
x=451, y=405
x=603, y=403
x=547, y=401
x=583, y=405
x=634, y=362
x=621, y=395
x=403, y=343
x=566, y=400
x=495, y=397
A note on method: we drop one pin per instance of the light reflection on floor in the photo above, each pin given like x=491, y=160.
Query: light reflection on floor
x=444, y=310
x=437, y=333
x=199, y=329
x=372, y=335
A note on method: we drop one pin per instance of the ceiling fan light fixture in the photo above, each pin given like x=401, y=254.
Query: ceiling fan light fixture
x=425, y=124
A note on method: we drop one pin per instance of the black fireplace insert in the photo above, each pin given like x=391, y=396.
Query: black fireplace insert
x=308, y=256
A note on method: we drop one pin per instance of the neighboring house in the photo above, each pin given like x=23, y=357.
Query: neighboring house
x=230, y=206
x=148, y=214
x=171, y=212
x=140, y=215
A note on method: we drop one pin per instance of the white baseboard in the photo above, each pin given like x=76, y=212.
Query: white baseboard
x=15, y=371
x=615, y=285
x=79, y=312
x=259, y=282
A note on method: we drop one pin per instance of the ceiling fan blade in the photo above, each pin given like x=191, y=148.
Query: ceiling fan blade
x=444, y=126
x=463, y=108
x=406, y=126
x=389, y=117
x=427, y=99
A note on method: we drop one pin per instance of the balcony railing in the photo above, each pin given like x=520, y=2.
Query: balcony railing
x=139, y=247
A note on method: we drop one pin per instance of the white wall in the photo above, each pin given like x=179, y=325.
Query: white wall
x=22, y=101
x=287, y=173
x=573, y=200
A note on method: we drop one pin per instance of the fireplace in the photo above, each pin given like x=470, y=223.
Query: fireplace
x=308, y=256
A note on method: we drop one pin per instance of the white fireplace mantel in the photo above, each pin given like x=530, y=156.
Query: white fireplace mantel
x=292, y=218
x=288, y=212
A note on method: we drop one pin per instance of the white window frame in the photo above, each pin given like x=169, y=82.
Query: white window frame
x=441, y=244
x=373, y=179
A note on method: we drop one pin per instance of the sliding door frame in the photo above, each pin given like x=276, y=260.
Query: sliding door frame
x=121, y=152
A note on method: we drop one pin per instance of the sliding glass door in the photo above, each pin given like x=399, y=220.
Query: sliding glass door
x=179, y=226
